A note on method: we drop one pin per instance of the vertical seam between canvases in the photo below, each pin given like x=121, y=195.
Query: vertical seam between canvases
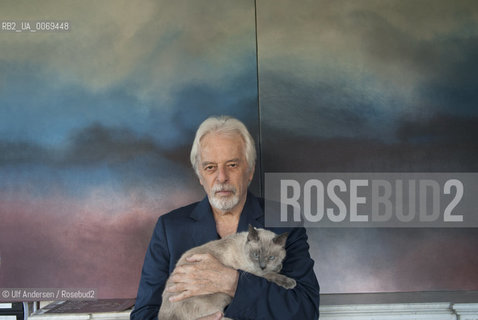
x=259, y=140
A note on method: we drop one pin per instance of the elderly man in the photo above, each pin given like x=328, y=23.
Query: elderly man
x=223, y=155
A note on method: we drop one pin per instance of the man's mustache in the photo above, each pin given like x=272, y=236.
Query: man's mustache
x=223, y=187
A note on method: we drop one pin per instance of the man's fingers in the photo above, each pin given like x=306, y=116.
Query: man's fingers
x=178, y=277
x=198, y=257
x=179, y=297
x=183, y=269
x=206, y=275
x=178, y=287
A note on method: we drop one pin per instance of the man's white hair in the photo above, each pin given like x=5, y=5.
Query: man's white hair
x=228, y=126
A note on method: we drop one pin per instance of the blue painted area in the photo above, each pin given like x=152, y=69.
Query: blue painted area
x=49, y=112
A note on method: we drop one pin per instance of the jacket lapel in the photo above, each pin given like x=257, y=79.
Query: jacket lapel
x=204, y=227
x=252, y=214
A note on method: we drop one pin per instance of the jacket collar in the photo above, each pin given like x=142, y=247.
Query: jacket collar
x=204, y=228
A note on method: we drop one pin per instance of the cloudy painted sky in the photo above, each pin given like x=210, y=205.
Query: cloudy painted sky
x=360, y=68
x=374, y=86
x=96, y=125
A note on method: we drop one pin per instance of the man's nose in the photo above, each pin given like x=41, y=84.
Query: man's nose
x=222, y=175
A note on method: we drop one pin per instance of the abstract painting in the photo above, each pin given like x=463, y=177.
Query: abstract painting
x=374, y=86
x=96, y=124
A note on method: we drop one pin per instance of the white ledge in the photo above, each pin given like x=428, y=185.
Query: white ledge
x=393, y=311
x=422, y=311
x=368, y=306
x=466, y=311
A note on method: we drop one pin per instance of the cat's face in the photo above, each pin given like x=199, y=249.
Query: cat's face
x=266, y=250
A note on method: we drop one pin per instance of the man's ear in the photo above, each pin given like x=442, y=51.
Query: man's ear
x=253, y=234
x=281, y=239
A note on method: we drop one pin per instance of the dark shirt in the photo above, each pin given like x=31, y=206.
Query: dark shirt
x=255, y=297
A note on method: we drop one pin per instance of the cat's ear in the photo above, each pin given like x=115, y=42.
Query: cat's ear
x=281, y=239
x=253, y=234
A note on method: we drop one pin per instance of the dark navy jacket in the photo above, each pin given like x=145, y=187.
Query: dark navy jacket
x=255, y=297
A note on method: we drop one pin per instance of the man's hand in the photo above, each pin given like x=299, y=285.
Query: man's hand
x=203, y=275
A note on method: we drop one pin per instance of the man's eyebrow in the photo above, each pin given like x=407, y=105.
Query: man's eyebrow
x=205, y=163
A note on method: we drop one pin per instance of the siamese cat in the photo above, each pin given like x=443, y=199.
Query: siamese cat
x=257, y=251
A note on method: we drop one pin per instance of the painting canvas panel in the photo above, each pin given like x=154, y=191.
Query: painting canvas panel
x=96, y=125
x=374, y=86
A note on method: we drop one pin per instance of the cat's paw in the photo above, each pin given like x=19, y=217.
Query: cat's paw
x=280, y=280
x=286, y=282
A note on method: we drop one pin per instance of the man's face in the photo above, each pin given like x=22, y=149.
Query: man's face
x=223, y=170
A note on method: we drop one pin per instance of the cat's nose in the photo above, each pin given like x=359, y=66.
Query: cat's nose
x=263, y=266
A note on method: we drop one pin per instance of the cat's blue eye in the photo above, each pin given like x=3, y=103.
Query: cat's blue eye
x=255, y=255
x=272, y=258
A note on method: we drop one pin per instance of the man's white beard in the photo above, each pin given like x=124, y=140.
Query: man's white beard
x=223, y=203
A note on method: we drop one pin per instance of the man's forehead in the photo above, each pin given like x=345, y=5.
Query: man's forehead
x=221, y=148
